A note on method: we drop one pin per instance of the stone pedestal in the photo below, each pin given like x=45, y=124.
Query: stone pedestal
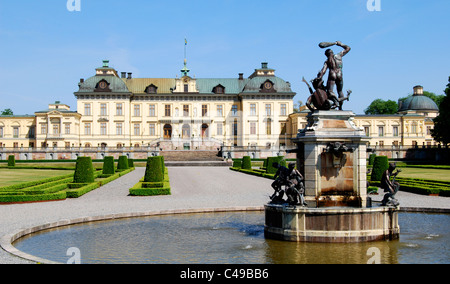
x=331, y=156
x=331, y=180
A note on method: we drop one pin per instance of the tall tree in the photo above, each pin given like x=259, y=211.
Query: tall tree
x=441, y=131
x=380, y=106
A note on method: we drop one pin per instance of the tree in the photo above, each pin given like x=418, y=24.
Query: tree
x=440, y=132
x=7, y=111
x=380, y=106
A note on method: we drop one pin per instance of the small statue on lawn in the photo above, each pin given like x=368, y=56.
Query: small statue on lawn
x=391, y=187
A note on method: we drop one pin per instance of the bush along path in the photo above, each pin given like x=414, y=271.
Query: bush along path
x=74, y=185
x=155, y=181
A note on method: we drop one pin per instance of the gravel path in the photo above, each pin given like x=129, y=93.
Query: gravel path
x=192, y=188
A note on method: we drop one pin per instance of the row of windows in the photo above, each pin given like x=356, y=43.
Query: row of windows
x=395, y=130
x=185, y=129
x=186, y=110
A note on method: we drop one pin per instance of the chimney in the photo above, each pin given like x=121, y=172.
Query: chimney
x=241, y=76
x=81, y=80
x=129, y=75
x=124, y=75
x=418, y=90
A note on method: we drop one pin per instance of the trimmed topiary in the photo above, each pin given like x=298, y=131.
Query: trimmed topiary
x=123, y=163
x=11, y=161
x=130, y=163
x=380, y=165
x=154, y=170
x=84, y=170
x=246, y=163
x=108, y=166
x=372, y=159
x=237, y=163
x=280, y=160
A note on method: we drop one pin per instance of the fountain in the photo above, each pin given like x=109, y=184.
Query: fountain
x=331, y=157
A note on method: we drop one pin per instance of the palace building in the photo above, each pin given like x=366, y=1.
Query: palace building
x=187, y=113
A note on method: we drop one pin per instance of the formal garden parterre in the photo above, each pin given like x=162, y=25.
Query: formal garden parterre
x=77, y=182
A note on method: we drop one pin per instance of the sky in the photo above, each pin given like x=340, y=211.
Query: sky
x=396, y=44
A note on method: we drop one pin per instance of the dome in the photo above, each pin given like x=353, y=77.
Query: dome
x=418, y=102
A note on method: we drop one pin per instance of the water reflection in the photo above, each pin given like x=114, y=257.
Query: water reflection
x=231, y=238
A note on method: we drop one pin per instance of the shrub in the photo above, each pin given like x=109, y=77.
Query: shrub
x=123, y=163
x=130, y=163
x=154, y=170
x=280, y=160
x=246, y=163
x=108, y=166
x=11, y=161
x=372, y=159
x=84, y=170
x=380, y=165
x=237, y=163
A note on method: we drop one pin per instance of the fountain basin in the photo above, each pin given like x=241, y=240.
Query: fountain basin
x=331, y=224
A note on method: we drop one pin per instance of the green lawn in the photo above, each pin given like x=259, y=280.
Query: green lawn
x=10, y=177
x=418, y=173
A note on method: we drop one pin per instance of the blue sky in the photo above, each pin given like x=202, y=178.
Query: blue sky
x=45, y=49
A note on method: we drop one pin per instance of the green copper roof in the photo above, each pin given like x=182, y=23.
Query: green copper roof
x=418, y=102
x=115, y=84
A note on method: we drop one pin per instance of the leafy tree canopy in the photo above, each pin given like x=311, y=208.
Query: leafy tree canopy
x=440, y=132
x=380, y=106
x=7, y=111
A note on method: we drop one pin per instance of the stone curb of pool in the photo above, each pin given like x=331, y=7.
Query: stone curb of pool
x=7, y=240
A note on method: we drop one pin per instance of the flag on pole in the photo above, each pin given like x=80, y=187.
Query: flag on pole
x=185, y=41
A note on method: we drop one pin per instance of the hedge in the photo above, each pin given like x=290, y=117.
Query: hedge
x=246, y=163
x=84, y=170
x=11, y=161
x=123, y=163
x=155, y=181
x=154, y=171
x=380, y=165
x=108, y=165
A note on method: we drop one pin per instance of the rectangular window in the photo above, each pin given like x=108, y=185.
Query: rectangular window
x=119, y=109
x=185, y=110
x=220, y=110
x=268, y=109
x=167, y=110
x=219, y=129
x=137, y=129
x=414, y=128
x=381, y=131
x=252, y=128
x=87, y=109
x=103, y=110
x=253, y=109
x=269, y=127
x=152, y=111
x=283, y=128
x=395, y=131
x=43, y=128
x=55, y=129
x=67, y=128
x=1, y=132
x=283, y=109
x=186, y=88
x=119, y=129
x=367, y=130
x=16, y=132
x=152, y=128
x=137, y=110
x=204, y=110
x=103, y=129
x=87, y=129
x=429, y=129
x=235, y=128
x=234, y=110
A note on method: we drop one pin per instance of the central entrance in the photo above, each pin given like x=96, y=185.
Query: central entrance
x=167, y=132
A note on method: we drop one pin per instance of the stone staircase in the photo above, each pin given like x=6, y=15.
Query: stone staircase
x=195, y=158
